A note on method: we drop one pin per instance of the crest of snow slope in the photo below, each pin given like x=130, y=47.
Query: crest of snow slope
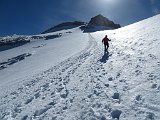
x=123, y=84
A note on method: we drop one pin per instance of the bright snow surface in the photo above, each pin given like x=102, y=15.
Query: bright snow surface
x=71, y=78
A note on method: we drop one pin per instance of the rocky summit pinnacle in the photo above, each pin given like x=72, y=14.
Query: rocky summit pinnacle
x=100, y=20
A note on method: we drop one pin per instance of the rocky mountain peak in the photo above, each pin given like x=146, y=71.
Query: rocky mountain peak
x=100, y=20
x=96, y=23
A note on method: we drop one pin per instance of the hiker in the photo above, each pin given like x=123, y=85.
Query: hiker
x=105, y=42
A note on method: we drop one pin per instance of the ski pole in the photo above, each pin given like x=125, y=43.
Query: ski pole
x=102, y=46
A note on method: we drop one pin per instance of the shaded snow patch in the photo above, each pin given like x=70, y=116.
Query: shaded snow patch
x=116, y=114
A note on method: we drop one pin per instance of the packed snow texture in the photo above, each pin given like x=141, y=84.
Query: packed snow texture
x=72, y=78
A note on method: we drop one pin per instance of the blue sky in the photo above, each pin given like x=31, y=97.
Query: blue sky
x=35, y=16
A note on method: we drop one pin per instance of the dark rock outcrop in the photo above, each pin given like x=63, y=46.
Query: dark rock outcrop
x=13, y=40
x=100, y=22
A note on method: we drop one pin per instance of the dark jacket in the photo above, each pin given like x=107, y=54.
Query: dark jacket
x=105, y=40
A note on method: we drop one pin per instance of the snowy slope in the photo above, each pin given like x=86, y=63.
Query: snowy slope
x=81, y=82
x=44, y=54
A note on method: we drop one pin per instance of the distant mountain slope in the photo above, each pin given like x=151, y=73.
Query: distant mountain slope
x=63, y=26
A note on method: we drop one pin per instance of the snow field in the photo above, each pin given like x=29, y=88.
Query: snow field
x=122, y=84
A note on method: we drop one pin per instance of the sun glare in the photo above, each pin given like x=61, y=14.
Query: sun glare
x=107, y=1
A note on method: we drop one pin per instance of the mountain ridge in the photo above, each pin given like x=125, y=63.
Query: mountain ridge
x=96, y=23
x=64, y=25
x=99, y=23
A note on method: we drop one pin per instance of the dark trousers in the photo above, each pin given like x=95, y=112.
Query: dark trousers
x=106, y=45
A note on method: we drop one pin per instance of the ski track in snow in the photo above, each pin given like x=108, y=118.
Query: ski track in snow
x=89, y=86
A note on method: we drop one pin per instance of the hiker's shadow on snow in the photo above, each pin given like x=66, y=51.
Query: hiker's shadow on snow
x=105, y=57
